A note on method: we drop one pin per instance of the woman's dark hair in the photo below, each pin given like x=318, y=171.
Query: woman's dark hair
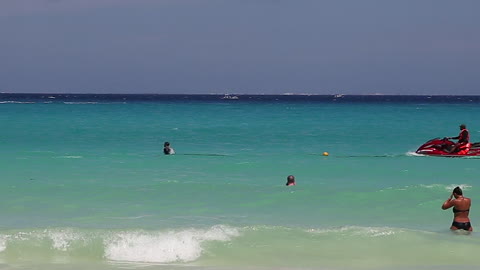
x=458, y=191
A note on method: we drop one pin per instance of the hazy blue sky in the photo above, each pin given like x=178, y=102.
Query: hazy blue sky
x=240, y=46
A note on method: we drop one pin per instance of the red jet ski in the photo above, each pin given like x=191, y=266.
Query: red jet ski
x=440, y=147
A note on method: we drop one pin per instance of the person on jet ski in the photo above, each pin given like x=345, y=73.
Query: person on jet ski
x=463, y=138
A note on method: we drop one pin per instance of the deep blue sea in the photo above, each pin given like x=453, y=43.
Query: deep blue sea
x=85, y=185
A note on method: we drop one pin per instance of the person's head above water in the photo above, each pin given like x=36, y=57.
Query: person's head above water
x=290, y=180
x=167, y=150
x=463, y=126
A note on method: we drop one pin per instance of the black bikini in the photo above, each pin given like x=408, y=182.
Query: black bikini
x=455, y=210
x=461, y=225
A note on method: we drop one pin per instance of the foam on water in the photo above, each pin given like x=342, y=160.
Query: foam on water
x=359, y=231
x=131, y=246
x=3, y=242
x=80, y=103
x=414, y=154
x=345, y=247
x=462, y=186
x=16, y=102
x=172, y=246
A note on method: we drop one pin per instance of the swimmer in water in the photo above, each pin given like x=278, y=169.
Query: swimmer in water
x=167, y=150
x=290, y=180
x=461, y=209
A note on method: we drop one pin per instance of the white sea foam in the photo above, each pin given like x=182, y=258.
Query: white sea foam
x=134, y=217
x=62, y=238
x=125, y=246
x=86, y=102
x=163, y=247
x=413, y=154
x=432, y=186
x=15, y=102
x=360, y=231
x=449, y=187
x=462, y=186
x=3, y=242
x=69, y=157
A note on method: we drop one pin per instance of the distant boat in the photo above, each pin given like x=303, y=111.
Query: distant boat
x=338, y=96
x=51, y=97
x=226, y=96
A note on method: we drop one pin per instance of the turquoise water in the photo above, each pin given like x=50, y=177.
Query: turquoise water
x=85, y=185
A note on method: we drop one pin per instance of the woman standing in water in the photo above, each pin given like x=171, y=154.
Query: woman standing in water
x=461, y=209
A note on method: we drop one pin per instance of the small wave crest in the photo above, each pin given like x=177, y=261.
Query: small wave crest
x=183, y=246
x=345, y=247
x=437, y=187
x=448, y=187
x=359, y=231
x=16, y=102
x=462, y=186
x=121, y=246
x=80, y=102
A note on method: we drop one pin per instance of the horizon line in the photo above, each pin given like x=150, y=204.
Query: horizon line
x=236, y=94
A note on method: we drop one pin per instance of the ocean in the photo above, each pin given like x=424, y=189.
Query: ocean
x=85, y=184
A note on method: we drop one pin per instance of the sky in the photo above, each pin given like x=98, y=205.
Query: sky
x=411, y=47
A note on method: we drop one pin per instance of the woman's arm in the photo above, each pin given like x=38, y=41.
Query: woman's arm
x=448, y=203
